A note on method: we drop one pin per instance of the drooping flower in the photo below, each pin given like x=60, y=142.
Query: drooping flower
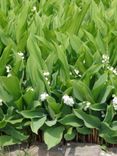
x=46, y=78
x=21, y=55
x=46, y=75
x=114, y=102
x=8, y=68
x=105, y=59
x=102, y=114
x=113, y=70
x=68, y=100
x=87, y=105
x=76, y=71
x=43, y=96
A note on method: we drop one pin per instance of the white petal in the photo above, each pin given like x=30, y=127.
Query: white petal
x=30, y=88
x=43, y=96
x=76, y=71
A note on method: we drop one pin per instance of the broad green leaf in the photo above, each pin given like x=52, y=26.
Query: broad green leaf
x=29, y=97
x=35, y=52
x=3, y=123
x=79, y=63
x=3, y=20
x=36, y=103
x=52, y=103
x=5, y=58
x=100, y=43
x=51, y=112
x=30, y=114
x=92, y=70
x=82, y=92
x=70, y=134
x=98, y=107
x=114, y=125
x=15, y=121
x=71, y=120
x=75, y=43
x=51, y=59
x=107, y=133
x=51, y=122
x=107, y=93
x=9, y=130
x=90, y=37
x=71, y=25
x=90, y=121
x=35, y=76
x=84, y=130
x=88, y=57
x=21, y=21
x=36, y=124
x=109, y=114
x=6, y=140
x=4, y=6
x=53, y=136
x=64, y=63
x=9, y=88
x=99, y=86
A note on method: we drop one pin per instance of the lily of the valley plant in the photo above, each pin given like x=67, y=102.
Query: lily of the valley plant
x=58, y=70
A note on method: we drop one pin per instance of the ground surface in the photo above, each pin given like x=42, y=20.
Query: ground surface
x=68, y=150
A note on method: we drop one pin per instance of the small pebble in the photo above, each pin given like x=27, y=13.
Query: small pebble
x=68, y=144
x=60, y=149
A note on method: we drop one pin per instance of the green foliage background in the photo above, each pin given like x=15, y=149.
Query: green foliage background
x=57, y=36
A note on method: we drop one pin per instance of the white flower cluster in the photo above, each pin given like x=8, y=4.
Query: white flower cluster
x=76, y=72
x=46, y=74
x=68, y=100
x=21, y=55
x=87, y=105
x=8, y=70
x=114, y=102
x=43, y=96
x=0, y=102
x=105, y=59
x=113, y=70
